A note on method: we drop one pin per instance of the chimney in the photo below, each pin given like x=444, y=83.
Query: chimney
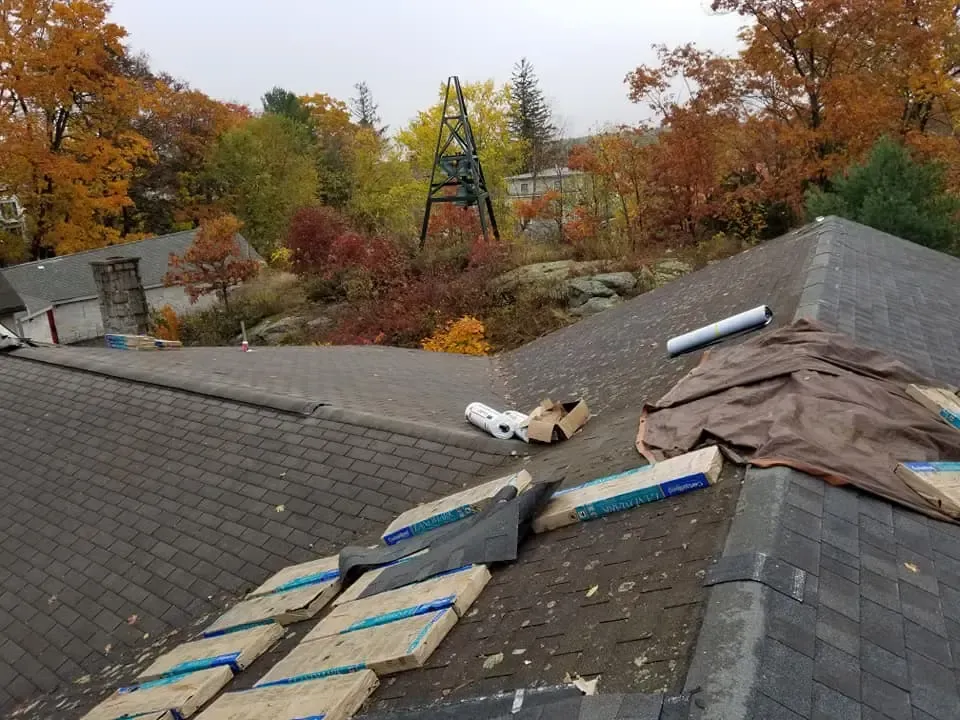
x=123, y=302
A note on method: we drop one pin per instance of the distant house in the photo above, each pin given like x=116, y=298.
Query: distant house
x=528, y=186
x=60, y=295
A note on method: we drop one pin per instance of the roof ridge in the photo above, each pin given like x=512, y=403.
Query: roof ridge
x=100, y=249
x=272, y=400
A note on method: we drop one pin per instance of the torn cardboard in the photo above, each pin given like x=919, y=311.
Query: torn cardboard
x=936, y=482
x=615, y=493
x=552, y=421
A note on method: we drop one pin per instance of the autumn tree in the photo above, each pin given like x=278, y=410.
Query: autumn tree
x=894, y=193
x=172, y=191
x=619, y=163
x=67, y=148
x=530, y=116
x=333, y=133
x=384, y=197
x=214, y=261
x=488, y=107
x=262, y=171
x=817, y=84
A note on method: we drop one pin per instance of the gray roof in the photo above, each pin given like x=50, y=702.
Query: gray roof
x=159, y=499
x=10, y=301
x=546, y=173
x=69, y=277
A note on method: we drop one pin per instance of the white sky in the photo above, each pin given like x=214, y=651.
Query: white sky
x=581, y=49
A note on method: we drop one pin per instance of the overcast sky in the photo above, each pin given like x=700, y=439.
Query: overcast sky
x=581, y=49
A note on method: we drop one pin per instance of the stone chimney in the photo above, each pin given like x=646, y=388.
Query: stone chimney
x=123, y=302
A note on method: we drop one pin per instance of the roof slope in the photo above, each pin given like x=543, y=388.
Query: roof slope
x=878, y=632
x=69, y=277
x=10, y=301
x=612, y=358
x=125, y=499
x=888, y=293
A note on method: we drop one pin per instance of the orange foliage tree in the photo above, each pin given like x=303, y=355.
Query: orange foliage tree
x=214, y=262
x=619, y=162
x=817, y=84
x=66, y=143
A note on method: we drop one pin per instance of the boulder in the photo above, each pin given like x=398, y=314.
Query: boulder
x=595, y=305
x=544, y=274
x=646, y=279
x=670, y=269
x=270, y=332
x=582, y=289
x=621, y=282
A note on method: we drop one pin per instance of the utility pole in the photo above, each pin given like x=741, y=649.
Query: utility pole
x=457, y=176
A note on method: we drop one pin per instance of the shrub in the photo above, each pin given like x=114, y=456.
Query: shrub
x=894, y=193
x=464, y=336
x=166, y=323
x=272, y=294
x=310, y=238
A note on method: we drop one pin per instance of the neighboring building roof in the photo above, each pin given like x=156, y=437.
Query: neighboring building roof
x=69, y=277
x=164, y=486
x=10, y=300
x=545, y=174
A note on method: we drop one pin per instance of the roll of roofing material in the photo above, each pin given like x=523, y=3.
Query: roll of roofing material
x=520, y=419
x=702, y=337
x=493, y=421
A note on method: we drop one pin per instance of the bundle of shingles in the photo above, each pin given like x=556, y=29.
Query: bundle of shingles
x=369, y=633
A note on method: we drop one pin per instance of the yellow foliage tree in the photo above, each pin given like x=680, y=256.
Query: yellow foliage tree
x=488, y=107
x=466, y=336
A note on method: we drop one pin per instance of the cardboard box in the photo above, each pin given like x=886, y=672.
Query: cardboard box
x=936, y=482
x=334, y=698
x=235, y=650
x=457, y=590
x=940, y=401
x=179, y=696
x=386, y=649
x=451, y=508
x=551, y=422
x=625, y=490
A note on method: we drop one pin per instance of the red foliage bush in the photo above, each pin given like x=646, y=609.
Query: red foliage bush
x=453, y=224
x=379, y=258
x=311, y=236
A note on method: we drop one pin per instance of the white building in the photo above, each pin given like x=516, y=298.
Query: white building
x=60, y=294
x=528, y=186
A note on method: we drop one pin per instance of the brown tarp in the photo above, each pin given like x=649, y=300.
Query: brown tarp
x=809, y=399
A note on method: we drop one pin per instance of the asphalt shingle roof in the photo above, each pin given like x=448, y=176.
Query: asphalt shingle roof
x=69, y=277
x=159, y=498
x=10, y=301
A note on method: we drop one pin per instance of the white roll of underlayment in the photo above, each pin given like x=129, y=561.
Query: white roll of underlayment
x=493, y=421
x=520, y=420
x=744, y=322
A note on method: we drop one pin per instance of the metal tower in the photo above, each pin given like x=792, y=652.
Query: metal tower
x=457, y=176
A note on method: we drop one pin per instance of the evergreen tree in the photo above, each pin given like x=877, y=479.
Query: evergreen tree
x=894, y=193
x=364, y=109
x=284, y=103
x=530, y=115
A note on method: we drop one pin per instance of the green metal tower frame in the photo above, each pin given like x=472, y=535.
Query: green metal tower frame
x=456, y=165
